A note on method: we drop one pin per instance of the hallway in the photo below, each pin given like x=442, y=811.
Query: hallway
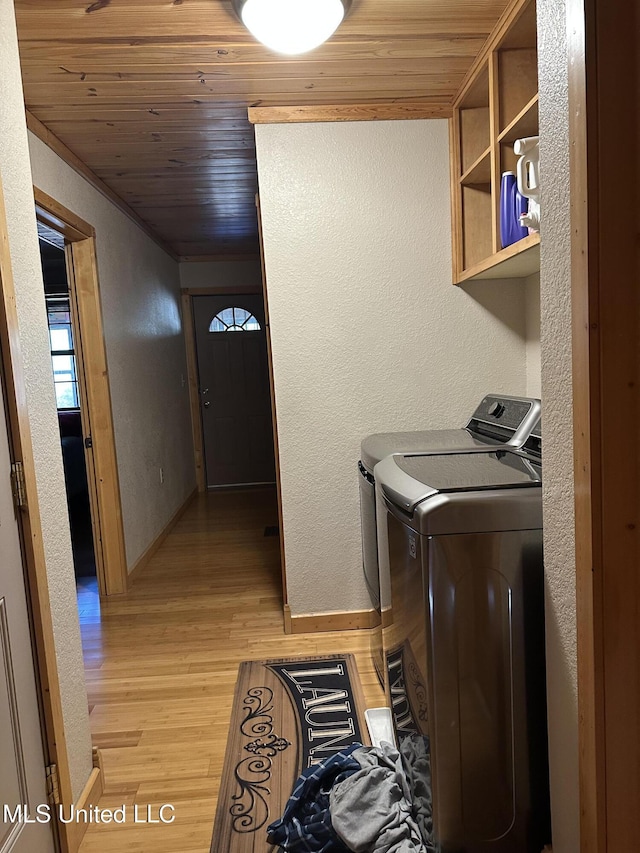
x=161, y=665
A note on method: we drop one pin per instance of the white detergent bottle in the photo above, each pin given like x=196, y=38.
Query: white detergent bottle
x=528, y=174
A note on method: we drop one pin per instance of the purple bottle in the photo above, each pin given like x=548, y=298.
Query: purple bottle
x=512, y=204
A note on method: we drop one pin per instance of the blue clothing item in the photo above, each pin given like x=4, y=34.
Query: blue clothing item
x=305, y=826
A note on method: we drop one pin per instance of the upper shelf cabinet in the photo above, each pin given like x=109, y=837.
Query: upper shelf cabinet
x=497, y=104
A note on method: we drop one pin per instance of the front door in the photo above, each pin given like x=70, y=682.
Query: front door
x=22, y=760
x=233, y=378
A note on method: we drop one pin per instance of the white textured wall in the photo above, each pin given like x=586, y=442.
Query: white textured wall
x=140, y=293
x=532, y=321
x=368, y=333
x=221, y=275
x=27, y=273
x=557, y=424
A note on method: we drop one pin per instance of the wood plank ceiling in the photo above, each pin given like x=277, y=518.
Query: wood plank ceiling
x=152, y=95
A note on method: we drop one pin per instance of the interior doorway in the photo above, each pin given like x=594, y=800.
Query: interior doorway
x=68, y=403
x=22, y=745
x=31, y=738
x=234, y=391
x=83, y=394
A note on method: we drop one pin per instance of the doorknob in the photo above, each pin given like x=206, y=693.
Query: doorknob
x=207, y=404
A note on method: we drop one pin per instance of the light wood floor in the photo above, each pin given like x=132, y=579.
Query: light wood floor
x=161, y=665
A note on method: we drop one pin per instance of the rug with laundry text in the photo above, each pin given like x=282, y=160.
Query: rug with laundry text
x=287, y=715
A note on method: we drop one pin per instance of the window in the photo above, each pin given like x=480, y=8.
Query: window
x=62, y=352
x=234, y=320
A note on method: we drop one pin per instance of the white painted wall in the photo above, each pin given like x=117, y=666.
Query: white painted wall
x=532, y=323
x=221, y=275
x=368, y=333
x=27, y=273
x=140, y=293
x=557, y=425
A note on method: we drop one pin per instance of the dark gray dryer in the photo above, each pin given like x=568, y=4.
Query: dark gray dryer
x=497, y=420
x=464, y=644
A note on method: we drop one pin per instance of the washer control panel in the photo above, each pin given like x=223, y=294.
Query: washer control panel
x=505, y=418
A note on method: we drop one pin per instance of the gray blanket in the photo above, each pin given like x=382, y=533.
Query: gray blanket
x=371, y=810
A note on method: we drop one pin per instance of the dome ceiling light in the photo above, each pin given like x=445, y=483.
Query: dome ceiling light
x=291, y=26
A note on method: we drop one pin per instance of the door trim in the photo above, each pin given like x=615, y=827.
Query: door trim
x=194, y=395
x=606, y=378
x=93, y=382
x=47, y=678
x=193, y=370
x=186, y=298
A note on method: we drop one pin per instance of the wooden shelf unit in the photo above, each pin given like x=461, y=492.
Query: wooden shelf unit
x=479, y=172
x=497, y=104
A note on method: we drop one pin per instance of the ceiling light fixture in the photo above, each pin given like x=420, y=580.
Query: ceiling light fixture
x=291, y=26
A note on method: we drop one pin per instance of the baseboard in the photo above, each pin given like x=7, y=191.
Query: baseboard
x=96, y=754
x=312, y=623
x=142, y=561
x=89, y=797
x=286, y=613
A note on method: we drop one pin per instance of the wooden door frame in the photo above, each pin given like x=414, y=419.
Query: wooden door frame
x=604, y=96
x=194, y=396
x=93, y=384
x=47, y=676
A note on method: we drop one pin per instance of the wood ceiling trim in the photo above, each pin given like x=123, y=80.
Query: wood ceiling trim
x=348, y=112
x=71, y=159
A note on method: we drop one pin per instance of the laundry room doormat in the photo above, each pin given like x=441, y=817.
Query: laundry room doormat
x=286, y=716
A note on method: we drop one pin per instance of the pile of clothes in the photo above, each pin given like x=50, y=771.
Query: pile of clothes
x=365, y=800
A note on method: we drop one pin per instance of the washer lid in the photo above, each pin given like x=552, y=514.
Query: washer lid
x=407, y=480
x=497, y=420
x=374, y=448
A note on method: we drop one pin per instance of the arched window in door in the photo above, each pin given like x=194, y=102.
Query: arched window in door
x=234, y=320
